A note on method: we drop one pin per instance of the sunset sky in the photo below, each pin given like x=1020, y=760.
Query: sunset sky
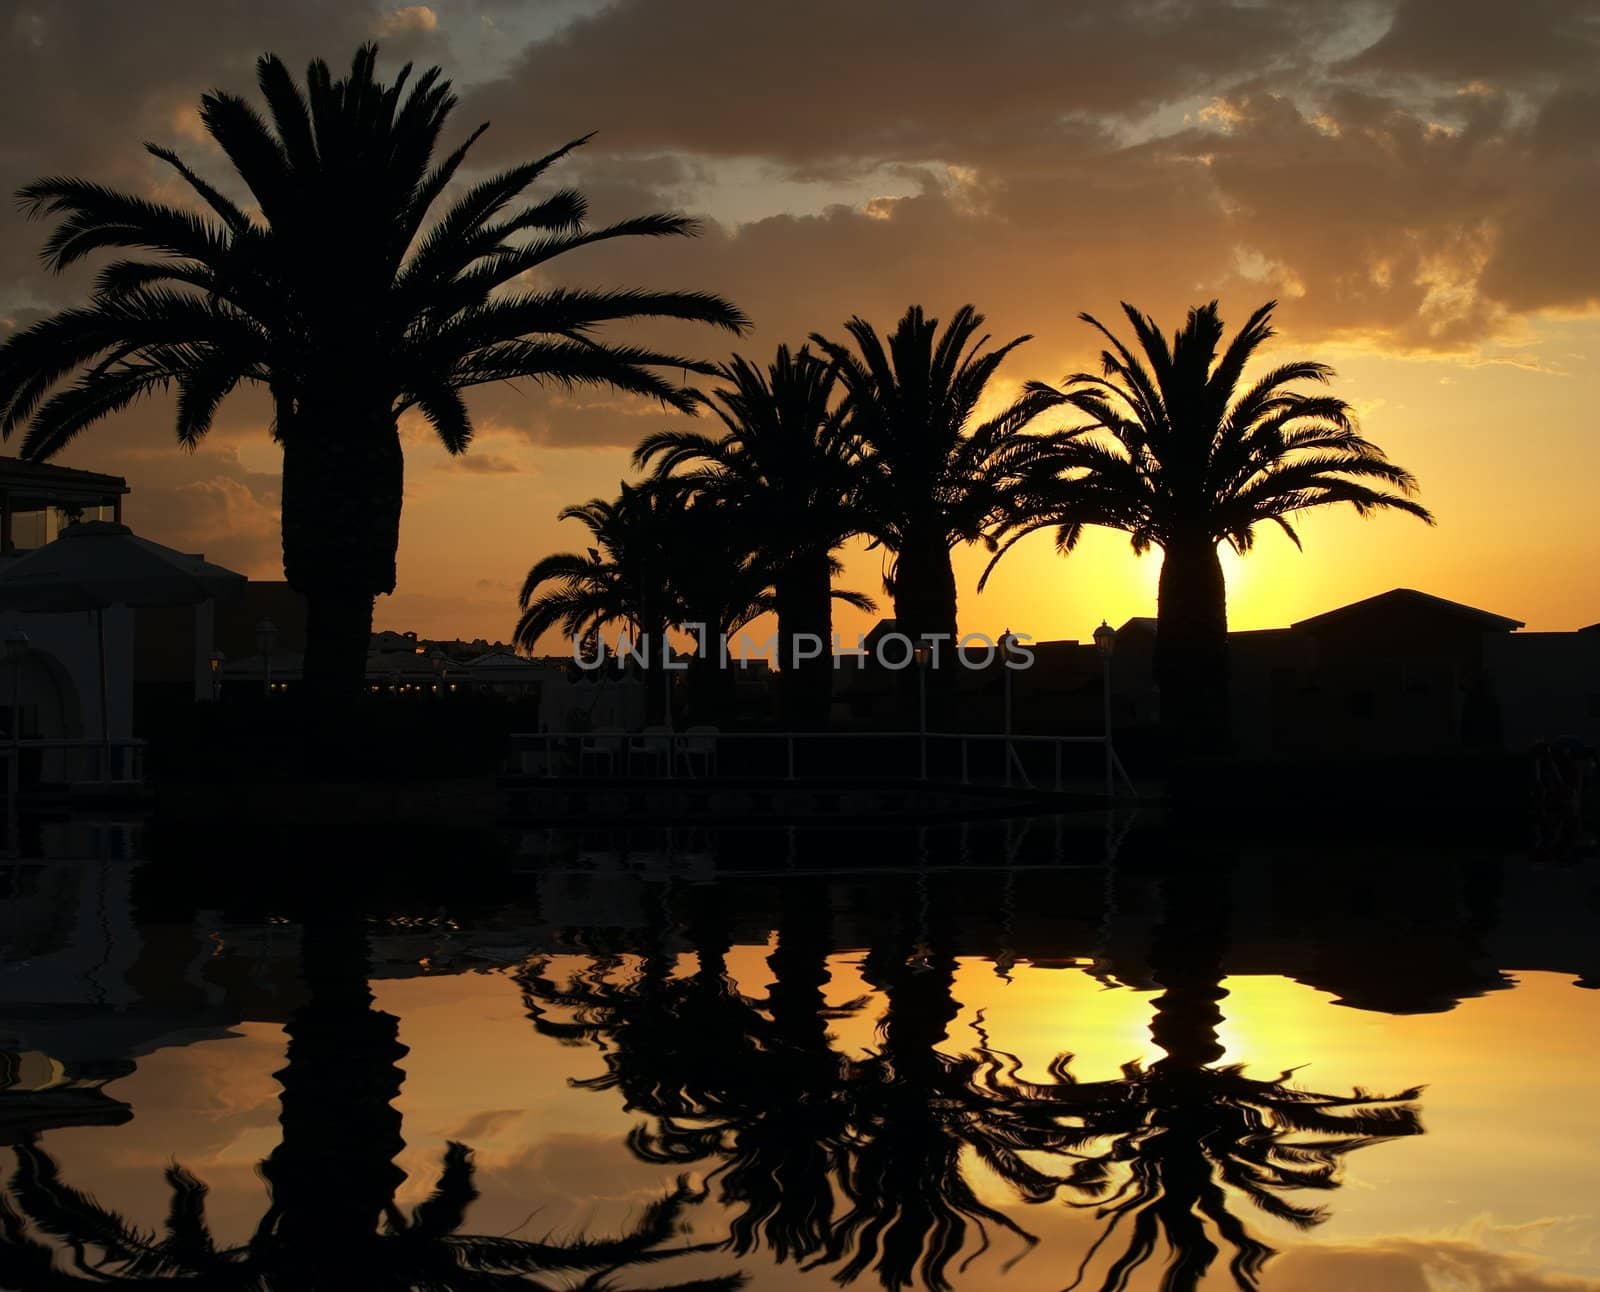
x=1418, y=183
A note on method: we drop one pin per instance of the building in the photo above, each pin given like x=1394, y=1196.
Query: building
x=38, y=500
x=1400, y=673
x=52, y=684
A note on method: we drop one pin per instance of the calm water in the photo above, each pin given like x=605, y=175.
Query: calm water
x=968, y=1057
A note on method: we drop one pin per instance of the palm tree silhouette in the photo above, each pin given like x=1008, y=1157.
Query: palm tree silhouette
x=332, y=1180
x=661, y=558
x=1177, y=455
x=930, y=478
x=1161, y=1146
x=618, y=578
x=717, y=584
x=340, y=299
x=787, y=469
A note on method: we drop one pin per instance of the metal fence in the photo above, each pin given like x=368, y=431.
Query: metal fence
x=966, y=758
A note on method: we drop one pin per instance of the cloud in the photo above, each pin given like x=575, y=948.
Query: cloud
x=1416, y=1265
x=1473, y=40
x=411, y=18
x=491, y=464
x=833, y=80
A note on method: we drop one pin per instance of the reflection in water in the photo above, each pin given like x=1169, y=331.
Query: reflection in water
x=332, y=1222
x=834, y=1136
x=1171, y=1148
x=1160, y=1144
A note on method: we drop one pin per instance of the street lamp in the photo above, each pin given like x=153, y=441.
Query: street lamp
x=1105, y=642
x=266, y=639
x=922, y=652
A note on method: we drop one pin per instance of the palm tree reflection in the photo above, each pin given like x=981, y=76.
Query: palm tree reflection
x=332, y=1222
x=720, y=1075
x=901, y=1135
x=1171, y=1147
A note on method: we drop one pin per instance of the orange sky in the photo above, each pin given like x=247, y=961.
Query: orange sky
x=1415, y=180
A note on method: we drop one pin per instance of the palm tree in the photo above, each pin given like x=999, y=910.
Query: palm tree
x=661, y=558
x=930, y=477
x=1179, y=455
x=619, y=579
x=787, y=469
x=332, y=1180
x=338, y=296
x=718, y=585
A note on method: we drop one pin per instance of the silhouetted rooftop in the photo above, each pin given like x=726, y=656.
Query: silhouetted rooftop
x=1409, y=600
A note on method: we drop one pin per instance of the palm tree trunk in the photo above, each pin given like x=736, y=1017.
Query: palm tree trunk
x=1191, y=659
x=805, y=610
x=925, y=606
x=343, y=482
x=925, y=586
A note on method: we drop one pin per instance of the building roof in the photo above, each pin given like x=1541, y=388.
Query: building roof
x=503, y=659
x=1410, y=601
x=66, y=483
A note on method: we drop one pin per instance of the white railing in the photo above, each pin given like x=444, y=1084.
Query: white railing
x=83, y=760
x=695, y=754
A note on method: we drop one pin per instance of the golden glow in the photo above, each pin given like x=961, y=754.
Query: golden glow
x=1493, y=1186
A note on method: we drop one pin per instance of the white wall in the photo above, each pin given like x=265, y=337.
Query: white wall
x=72, y=640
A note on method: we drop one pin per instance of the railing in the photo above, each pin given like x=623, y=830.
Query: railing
x=110, y=762
x=697, y=754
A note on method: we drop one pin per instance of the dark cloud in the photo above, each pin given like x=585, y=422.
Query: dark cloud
x=839, y=79
x=1484, y=40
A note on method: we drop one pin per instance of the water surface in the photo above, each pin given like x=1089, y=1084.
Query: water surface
x=967, y=1057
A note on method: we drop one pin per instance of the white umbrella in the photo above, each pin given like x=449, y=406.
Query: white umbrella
x=98, y=564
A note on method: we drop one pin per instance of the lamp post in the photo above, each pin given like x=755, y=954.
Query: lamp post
x=1007, y=643
x=266, y=639
x=1105, y=642
x=217, y=658
x=16, y=651
x=923, y=654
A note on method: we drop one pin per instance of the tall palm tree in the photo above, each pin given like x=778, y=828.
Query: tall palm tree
x=788, y=469
x=931, y=476
x=1179, y=454
x=343, y=292
x=332, y=1222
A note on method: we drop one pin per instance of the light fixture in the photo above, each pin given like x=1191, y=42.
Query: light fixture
x=1105, y=639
